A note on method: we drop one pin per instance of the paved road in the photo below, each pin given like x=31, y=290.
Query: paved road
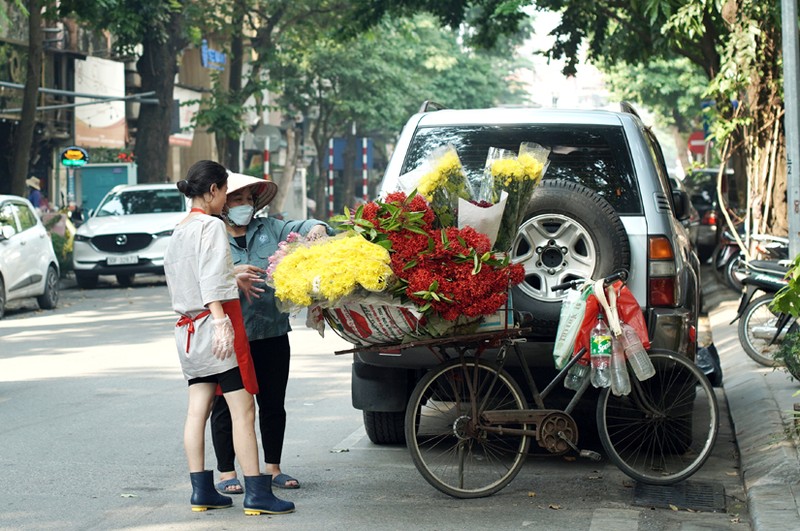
x=91, y=406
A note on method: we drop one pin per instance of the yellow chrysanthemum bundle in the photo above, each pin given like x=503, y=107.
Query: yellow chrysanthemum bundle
x=447, y=165
x=516, y=175
x=443, y=185
x=522, y=168
x=324, y=272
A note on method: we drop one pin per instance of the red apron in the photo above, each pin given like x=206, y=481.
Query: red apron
x=241, y=345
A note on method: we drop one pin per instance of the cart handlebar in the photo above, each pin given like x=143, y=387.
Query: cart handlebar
x=572, y=284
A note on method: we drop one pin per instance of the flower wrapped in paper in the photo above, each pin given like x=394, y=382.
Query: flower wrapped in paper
x=441, y=181
x=517, y=175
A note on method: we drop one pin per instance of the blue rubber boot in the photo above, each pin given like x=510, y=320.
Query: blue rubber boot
x=258, y=497
x=204, y=495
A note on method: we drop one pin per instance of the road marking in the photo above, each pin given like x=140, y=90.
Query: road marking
x=350, y=441
x=614, y=520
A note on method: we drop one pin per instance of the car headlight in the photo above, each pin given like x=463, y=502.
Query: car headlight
x=164, y=233
x=82, y=238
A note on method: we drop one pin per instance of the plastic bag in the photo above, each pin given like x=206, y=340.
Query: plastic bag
x=629, y=312
x=569, y=324
x=707, y=360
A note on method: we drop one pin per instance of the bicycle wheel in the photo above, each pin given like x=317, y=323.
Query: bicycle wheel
x=756, y=329
x=446, y=439
x=664, y=430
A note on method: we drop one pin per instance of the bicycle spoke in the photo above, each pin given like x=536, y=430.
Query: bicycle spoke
x=665, y=429
x=445, y=438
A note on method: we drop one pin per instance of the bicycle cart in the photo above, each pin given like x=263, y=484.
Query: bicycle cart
x=469, y=425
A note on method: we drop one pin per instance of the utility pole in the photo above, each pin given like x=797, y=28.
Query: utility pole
x=790, y=121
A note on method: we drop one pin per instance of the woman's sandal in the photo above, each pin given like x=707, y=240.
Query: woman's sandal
x=281, y=481
x=230, y=486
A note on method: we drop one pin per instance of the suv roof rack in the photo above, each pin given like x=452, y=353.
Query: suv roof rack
x=429, y=105
x=627, y=107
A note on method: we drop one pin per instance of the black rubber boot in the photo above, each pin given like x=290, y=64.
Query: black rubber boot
x=204, y=495
x=258, y=497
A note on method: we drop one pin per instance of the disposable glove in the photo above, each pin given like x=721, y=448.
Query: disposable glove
x=222, y=342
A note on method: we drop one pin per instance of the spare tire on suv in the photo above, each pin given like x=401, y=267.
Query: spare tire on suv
x=569, y=232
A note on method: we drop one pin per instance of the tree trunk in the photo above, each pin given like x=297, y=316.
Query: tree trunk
x=680, y=144
x=233, y=150
x=27, y=124
x=158, y=65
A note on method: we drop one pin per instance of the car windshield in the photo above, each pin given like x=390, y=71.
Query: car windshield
x=126, y=202
x=594, y=156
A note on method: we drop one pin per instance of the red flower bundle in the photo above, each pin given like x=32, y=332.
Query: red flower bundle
x=450, y=271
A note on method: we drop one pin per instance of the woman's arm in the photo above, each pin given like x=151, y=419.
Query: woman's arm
x=216, y=309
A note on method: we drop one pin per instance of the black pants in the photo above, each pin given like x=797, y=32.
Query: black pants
x=271, y=363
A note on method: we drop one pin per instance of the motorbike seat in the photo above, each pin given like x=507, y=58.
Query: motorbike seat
x=769, y=267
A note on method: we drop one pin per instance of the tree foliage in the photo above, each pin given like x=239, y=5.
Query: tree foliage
x=672, y=89
x=375, y=81
x=158, y=30
x=736, y=43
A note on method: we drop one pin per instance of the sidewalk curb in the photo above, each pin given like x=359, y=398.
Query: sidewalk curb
x=760, y=403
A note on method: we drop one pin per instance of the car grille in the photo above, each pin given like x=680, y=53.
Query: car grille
x=122, y=243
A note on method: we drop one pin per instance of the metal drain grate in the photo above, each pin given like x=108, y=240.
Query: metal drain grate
x=692, y=495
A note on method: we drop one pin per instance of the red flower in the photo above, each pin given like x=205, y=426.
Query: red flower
x=448, y=271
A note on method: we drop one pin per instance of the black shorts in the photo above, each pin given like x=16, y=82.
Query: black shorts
x=230, y=380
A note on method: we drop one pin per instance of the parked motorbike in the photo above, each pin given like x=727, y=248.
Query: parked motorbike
x=761, y=330
x=729, y=259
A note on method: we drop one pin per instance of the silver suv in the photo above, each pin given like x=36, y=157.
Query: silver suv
x=605, y=204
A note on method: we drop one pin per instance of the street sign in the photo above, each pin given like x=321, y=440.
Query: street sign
x=697, y=143
x=74, y=157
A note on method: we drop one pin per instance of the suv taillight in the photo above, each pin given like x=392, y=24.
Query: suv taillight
x=662, y=273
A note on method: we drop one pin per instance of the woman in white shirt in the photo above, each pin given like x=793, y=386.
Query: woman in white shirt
x=202, y=287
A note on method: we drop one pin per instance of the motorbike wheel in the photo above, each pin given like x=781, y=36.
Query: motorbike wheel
x=733, y=275
x=757, y=327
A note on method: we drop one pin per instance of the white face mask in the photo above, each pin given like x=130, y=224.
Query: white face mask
x=240, y=215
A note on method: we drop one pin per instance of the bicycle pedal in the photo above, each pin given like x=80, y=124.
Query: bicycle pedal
x=589, y=454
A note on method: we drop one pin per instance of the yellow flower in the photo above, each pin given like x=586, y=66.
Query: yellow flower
x=330, y=270
x=517, y=169
x=446, y=165
x=531, y=167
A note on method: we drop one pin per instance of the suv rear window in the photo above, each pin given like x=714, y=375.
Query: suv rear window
x=124, y=203
x=594, y=156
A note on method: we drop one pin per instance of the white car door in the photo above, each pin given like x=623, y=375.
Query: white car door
x=23, y=256
x=12, y=250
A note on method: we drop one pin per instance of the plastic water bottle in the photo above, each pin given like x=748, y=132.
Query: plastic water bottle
x=620, y=381
x=600, y=350
x=636, y=354
x=577, y=374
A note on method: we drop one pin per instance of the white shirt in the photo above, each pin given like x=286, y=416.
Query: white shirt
x=199, y=270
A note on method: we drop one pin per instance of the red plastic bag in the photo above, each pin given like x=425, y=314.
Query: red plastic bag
x=629, y=312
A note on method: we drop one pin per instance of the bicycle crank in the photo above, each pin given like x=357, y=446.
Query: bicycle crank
x=557, y=433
